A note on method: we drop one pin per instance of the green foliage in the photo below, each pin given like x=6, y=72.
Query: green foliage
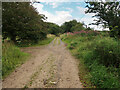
x=68, y=25
x=108, y=13
x=44, y=42
x=101, y=56
x=77, y=27
x=21, y=22
x=12, y=57
x=108, y=51
x=54, y=29
x=114, y=32
x=101, y=78
x=88, y=28
x=72, y=45
x=39, y=43
x=72, y=26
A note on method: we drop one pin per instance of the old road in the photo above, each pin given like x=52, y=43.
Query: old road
x=50, y=66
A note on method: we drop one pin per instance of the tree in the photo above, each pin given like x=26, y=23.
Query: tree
x=54, y=28
x=72, y=26
x=68, y=25
x=108, y=14
x=77, y=27
x=22, y=22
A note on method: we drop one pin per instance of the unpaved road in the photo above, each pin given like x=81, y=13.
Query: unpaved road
x=50, y=66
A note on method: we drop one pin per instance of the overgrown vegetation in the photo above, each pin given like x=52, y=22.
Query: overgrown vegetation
x=97, y=51
x=100, y=55
x=12, y=57
x=23, y=26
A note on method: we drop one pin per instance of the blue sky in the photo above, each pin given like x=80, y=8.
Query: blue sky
x=60, y=12
x=66, y=6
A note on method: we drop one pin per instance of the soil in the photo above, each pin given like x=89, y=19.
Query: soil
x=50, y=66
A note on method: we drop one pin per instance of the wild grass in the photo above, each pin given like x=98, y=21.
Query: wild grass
x=55, y=41
x=58, y=40
x=12, y=57
x=99, y=58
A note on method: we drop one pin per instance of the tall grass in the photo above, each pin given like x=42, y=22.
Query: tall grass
x=100, y=55
x=12, y=57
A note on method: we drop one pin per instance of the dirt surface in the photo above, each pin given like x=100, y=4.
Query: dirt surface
x=50, y=66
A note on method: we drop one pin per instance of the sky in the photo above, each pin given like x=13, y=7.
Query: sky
x=60, y=12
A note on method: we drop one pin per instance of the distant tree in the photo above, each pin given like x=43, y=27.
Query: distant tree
x=68, y=25
x=88, y=28
x=108, y=13
x=72, y=26
x=54, y=28
x=78, y=27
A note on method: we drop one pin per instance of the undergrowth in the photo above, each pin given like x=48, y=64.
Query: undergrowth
x=100, y=58
x=12, y=57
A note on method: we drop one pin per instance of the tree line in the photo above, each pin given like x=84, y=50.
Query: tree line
x=22, y=23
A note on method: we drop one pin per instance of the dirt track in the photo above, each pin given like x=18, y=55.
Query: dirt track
x=50, y=66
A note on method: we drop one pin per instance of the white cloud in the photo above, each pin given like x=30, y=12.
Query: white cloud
x=54, y=4
x=87, y=18
x=59, y=17
x=39, y=7
x=62, y=16
x=70, y=10
x=81, y=9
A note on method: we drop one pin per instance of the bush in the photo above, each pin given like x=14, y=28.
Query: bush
x=101, y=78
x=100, y=55
x=72, y=45
x=108, y=51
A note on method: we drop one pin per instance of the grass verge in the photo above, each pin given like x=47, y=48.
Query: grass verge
x=12, y=57
x=99, y=59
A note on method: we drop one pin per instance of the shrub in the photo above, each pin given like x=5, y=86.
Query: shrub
x=108, y=51
x=72, y=45
x=101, y=78
x=101, y=56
